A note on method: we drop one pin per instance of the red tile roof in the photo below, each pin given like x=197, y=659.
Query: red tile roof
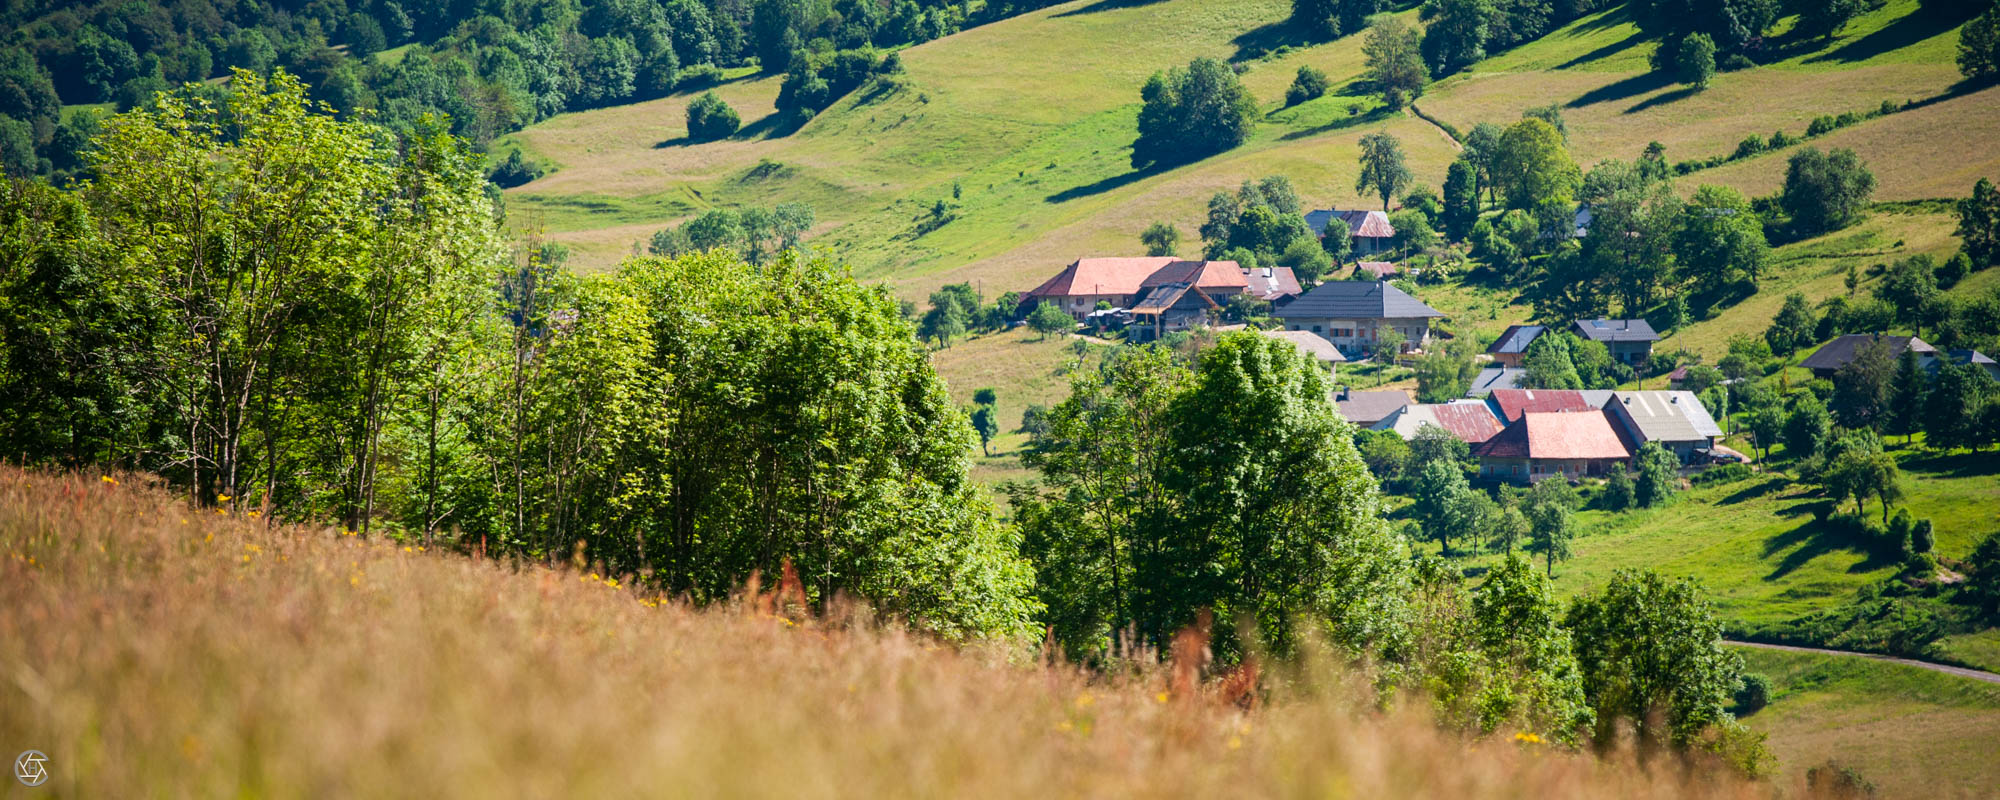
x=1206, y=275
x=1559, y=434
x=1514, y=402
x=1378, y=268
x=1470, y=422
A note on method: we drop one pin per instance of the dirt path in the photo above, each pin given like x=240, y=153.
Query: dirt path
x=1947, y=669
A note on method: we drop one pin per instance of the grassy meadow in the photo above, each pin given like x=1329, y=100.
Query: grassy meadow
x=1910, y=731
x=158, y=650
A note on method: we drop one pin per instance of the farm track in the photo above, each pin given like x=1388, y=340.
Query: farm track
x=1963, y=672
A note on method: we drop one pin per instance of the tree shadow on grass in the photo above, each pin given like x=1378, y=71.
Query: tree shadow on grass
x=1907, y=30
x=1756, y=490
x=1380, y=113
x=1605, y=51
x=1257, y=42
x=1619, y=90
x=775, y=125
x=1105, y=5
x=1663, y=98
x=1107, y=184
x=1953, y=465
x=1811, y=540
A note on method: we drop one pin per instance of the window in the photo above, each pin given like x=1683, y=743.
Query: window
x=1315, y=329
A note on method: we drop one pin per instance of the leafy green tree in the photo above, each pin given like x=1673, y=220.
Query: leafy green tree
x=1456, y=35
x=1549, y=363
x=1719, y=238
x=1658, y=471
x=1336, y=242
x=1861, y=387
x=1443, y=503
x=1048, y=318
x=985, y=424
x=1461, y=199
x=1952, y=408
x=1651, y=654
x=714, y=229
x=1394, y=54
x=1310, y=84
x=1383, y=171
x=1533, y=167
x=1808, y=429
x=1794, y=326
x=1307, y=260
x=1909, y=284
x=1825, y=191
x=1766, y=426
x=1618, y=490
x=1445, y=374
x=1550, y=509
x=1979, y=223
x=1435, y=445
x=946, y=320
x=17, y=148
x=1262, y=217
x=1160, y=239
x=1481, y=150
x=709, y=118
x=1979, y=46
x=1694, y=60
x=1520, y=625
x=1191, y=113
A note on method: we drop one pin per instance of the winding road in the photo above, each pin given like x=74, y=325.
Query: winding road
x=1947, y=669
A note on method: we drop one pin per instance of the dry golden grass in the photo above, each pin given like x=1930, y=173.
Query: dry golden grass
x=156, y=650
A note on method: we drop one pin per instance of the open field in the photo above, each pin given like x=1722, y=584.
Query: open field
x=157, y=650
x=1757, y=549
x=1911, y=732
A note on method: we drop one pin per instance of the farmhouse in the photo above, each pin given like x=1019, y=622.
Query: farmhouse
x=1676, y=420
x=1122, y=282
x=1314, y=347
x=1171, y=307
x=1365, y=409
x=1512, y=346
x=1274, y=285
x=1827, y=360
x=1369, y=231
x=1510, y=404
x=1629, y=340
x=1469, y=421
x=1351, y=313
x=1553, y=444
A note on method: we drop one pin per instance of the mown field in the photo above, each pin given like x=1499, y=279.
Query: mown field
x=157, y=650
x=1909, y=731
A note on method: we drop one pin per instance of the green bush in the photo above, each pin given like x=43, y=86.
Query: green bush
x=1726, y=473
x=1753, y=695
x=709, y=118
x=1921, y=538
x=1310, y=84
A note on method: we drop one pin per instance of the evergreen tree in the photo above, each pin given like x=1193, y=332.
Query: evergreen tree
x=1461, y=199
x=1906, y=395
x=1979, y=223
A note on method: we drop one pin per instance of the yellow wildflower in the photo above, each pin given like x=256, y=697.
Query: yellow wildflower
x=1161, y=697
x=108, y=479
x=222, y=498
x=1085, y=700
x=1235, y=742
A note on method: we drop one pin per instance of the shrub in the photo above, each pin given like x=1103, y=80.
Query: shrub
x=1750, y=146
x=515, y=171
x=1821, y=126
x=1754, y=694
x=1310, y=84
x=1834, y=780
x=1781, y=139
x=1618, y=489
x=1921, y=538
x=698, y=76
x=709, y=118
x=1726, y=473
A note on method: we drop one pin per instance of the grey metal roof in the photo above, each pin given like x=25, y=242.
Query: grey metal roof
x=1368, y=408
x=1356, y=300
x=1667, y=416
x=1495, y=378
x=1616, y=330
x=1516, y=338
x=1311, y=344
x=1838, y=352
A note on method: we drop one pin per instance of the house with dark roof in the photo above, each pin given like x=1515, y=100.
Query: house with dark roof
x=1274, y=285
x=1171, y=307
x=1513, y=343
x=1369, y=231
x=1975, y=358
x=1629, y=340
x=1365, y=409
x=1554, y=444
x=1468, y=421
x=1122, y=282
x=1827, y=360
x=1677, y=420
x=1494, y=377
x=1352, y=313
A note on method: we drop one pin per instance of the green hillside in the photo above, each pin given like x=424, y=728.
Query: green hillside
x=1032, y=119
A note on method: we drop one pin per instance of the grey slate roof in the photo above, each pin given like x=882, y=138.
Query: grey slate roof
x=1367, y=408
x=1495, y=378
x=1667, y=416
x=1311, y=344
x=1516, y=339
x=1356, y=300
x=1616, y=330
x=1838, y=352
